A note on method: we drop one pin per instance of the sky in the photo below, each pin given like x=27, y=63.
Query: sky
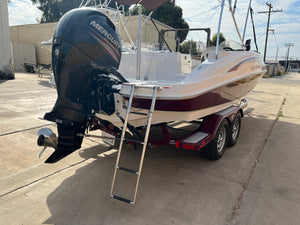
x=202, y=14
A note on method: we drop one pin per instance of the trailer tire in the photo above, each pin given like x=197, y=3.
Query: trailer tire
x=217, y=146
x=27, y=68
x=234, y=130
x=32, y=69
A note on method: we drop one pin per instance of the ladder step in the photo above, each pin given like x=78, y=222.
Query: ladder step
x=144, y=142
x=122, y=199
x=139, y=113
x=128, y=170
x=134, y=141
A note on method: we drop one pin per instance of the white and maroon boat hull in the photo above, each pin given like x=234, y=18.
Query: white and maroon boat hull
x=213, y=86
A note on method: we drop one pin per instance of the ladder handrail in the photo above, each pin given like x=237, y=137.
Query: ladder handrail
x=137, y=85
x=145, y=143
x=122, y=137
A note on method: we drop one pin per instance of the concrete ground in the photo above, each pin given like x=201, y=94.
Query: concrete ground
x=255, y=182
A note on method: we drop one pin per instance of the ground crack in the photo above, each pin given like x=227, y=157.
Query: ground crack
x=27, y=129
x=42, y=178
x=245, y=185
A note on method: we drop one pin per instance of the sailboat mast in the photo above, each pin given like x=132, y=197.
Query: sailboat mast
x=139, y=45
x=234, y=7
x=246, y=20
x=235, y=23
x=219, y=27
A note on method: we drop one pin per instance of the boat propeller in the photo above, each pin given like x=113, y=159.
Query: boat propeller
x=47, y=138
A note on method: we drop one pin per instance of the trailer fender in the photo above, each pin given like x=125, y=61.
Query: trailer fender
x=212, y=122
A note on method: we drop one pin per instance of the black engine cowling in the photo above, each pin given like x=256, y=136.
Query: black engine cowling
x=85, y=45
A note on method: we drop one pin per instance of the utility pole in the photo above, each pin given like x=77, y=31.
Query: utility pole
x=267, y=32
x=287, y=55
x=277, y=54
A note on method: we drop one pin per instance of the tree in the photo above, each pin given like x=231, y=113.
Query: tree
x=170, y=15
x=166, y=13
x=135, y=11
x=214, y=39
x=189, y=47
x=55, y=9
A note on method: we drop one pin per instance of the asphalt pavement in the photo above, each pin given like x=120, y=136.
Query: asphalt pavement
x=255, y=182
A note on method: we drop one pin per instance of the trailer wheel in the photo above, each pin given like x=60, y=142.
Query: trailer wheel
x=32, y=69
x=27, y=68
x=234, y=130
x=217, y=146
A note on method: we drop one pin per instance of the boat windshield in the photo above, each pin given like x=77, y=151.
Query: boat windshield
x=231, y=45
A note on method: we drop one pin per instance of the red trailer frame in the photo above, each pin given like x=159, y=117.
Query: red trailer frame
x=208, y=134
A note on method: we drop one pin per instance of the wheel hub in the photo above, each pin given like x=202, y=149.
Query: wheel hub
x=221, y=139
x=235, y=129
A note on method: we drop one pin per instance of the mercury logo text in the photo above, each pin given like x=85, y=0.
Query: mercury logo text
x=105, y=33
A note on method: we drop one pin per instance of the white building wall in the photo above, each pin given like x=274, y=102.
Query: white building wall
x=5, y=53
x=32, y=34
x=36, y=33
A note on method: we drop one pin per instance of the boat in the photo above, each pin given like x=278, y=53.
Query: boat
x=127, y=93
x=213, y=86
x=95, y=92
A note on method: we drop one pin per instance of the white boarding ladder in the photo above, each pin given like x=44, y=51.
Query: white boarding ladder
x=144, y=143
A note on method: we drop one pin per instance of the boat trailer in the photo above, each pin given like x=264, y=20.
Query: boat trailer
x=213, y=134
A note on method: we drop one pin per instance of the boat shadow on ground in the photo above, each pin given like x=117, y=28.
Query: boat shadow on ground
x=45, y=83
x=84, y=198
x=177, y=186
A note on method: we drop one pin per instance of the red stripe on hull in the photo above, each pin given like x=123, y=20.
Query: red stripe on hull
x=218, y=96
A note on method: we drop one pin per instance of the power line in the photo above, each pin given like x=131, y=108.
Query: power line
x=201, y=13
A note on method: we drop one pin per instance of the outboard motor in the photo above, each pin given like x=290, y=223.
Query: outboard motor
x=86, y=49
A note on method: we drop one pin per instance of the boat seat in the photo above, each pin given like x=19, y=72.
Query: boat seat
x=156, y=66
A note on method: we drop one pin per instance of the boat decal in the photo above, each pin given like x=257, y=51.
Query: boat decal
x=234, y=68
x=108, y=36
x=115, y=54
x=113, y=47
